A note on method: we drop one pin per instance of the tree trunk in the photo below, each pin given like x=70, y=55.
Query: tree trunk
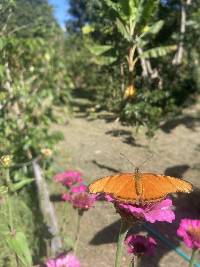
x=178, y=58
x=122, y=78
x=143, y=64
x=147, y=72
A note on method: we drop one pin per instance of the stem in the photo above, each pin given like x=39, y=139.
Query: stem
x=122, y=235
x=10, y=215
x=7, y=178
x=80, y=214
x=17, y=260
x=137, y=261
x=191, y=263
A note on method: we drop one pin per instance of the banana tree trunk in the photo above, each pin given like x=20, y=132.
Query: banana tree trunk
x=147, y=72
x=122, y=77
x=143, y=63
x=130, y=91
x=178, y=58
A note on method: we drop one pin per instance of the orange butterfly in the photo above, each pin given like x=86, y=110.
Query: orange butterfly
x=139, y=187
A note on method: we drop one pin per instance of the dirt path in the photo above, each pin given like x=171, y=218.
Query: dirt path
x=94, y=146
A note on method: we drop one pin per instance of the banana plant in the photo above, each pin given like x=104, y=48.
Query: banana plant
x=134, y=21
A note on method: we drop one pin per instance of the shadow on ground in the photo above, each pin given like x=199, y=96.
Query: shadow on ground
x=126, y=136
x=107, y=235
x=84, y=99
x=189, y=122
x=177, y=171
x=103, y=166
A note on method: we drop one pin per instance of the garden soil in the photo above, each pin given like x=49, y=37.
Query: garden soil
x=94, y=146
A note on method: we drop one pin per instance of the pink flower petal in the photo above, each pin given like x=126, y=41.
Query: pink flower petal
x=79, y=188
x=83, y=200
x=189, y=230
x=159, y=211
x=68, y=178
x=68, y=260
x=66, y=197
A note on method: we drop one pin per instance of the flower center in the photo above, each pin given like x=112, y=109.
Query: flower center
x=140, y=248
x=194, y=233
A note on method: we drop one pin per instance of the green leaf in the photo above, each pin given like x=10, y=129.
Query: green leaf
x=18, y=243
x=156, y=27
x=124, y=8
x=3, y=190
x=21, y=184
x=122, y=29
x=147, y=10
x=2, y=69
x=158, y=51
x=1, y=44
x=133, y=5
x=69, y=242
x=103, y=60
x=98, y=50
x=111, y=4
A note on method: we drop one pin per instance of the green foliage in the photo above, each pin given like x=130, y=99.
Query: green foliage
x=33, y=75
x=12, y=243
x=19, y=185
x=143, y=37
x=158, y=51
x=24, y=91
x=33, y=81
x=18, y=243
x=98, y=50
x=148, y=109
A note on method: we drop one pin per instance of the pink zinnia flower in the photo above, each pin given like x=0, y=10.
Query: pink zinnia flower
x=160, y=211
x=82, y=200
x=68, y=178
x=138, y=244
x=68, y=260
x=66, y=197
x=189, y=230
x=78, y=188
x=79, y=198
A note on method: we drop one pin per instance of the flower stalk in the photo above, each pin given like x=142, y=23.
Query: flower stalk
x=8, y=201
x=122, y=235
x=80, y=214
x=192, y=259
x=137, y=261
x=9, y=206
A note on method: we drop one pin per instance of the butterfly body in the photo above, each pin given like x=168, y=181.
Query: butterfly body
x=139, y=187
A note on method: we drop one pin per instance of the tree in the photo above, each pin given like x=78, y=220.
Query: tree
x=79, y=15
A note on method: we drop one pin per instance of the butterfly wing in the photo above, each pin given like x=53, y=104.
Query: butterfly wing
x=151, y=187
x=155, y=186
x=121, y=186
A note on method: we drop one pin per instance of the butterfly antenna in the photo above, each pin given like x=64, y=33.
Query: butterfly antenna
x=124, y=156
x=146, y=160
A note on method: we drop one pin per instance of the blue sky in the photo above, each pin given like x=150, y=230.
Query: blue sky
x=60, y=10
